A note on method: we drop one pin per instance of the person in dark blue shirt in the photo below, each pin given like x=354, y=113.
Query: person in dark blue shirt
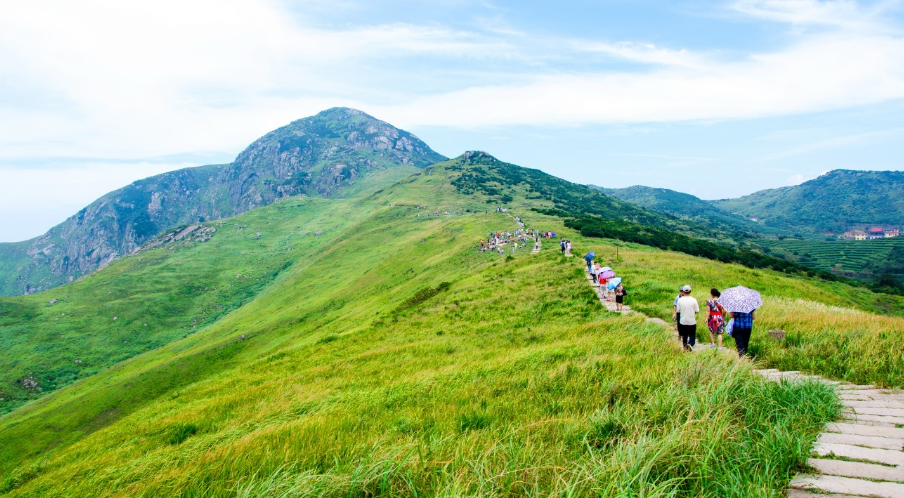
x=741, y=329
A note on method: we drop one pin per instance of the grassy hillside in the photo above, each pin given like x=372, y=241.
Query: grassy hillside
x=835, y=330
x=351, y=379
x=149, y=300
x=389, y=357
x=834, y=202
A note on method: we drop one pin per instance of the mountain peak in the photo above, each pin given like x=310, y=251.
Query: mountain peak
x=321, y=155
x=342, y=111
x=477, y=156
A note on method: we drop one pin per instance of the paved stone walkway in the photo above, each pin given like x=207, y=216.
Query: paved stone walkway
x=861, y=455
x=609, y=305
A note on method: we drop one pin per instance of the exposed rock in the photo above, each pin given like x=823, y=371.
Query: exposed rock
x=315, y=156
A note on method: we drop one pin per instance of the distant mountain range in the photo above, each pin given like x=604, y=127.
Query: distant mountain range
x=837, y=201
x=342, y=151
x=683, y=206
x=323, y=155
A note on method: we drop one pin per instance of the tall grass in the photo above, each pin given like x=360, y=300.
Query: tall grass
x=398, y=361
x=835, y=330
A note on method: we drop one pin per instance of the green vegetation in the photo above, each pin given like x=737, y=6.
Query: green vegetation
x=149, y=300
x=689, y=207
x=861, y=259
x=484, y=174
x=834, y=202
x=665, y=239
x=388, y=357
x=833, y=329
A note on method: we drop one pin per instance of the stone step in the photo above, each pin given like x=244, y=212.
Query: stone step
x=784, y=375
x=857, y=470
x=885, y=412
x=887, y=457
x=847, y=485
x=869, y=418
x=866, y=430
x=895, y=398
x=878, y=442
x=873, y=403
x=866, y=392
x=857, y=387
x=800, y=493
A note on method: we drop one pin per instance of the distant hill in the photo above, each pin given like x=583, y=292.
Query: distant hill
x=485, y=174
x=835, y=202
x=322, y=156
x=683, y=206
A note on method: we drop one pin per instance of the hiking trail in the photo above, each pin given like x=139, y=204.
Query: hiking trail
x=860, y=455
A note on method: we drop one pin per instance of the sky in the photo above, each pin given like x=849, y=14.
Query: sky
x=718, y=99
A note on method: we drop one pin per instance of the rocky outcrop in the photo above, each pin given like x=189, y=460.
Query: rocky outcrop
x=315, y=156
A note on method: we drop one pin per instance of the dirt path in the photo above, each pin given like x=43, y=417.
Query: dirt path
x=861, y=455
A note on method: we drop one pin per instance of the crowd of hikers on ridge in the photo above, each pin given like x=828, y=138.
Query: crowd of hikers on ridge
x=729, y=312
x=516, y=239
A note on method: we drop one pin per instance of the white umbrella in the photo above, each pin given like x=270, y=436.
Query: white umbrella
x=740, y=299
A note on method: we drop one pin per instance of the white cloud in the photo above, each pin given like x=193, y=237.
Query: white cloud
x=794, y=179
x=837, y=13
x=111, y=79
x=117, y=79
x=820, y=73
x=647, y=53
x=32, y=200
x=840, y=141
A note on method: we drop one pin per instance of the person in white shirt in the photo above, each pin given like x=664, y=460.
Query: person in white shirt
x=686, y=310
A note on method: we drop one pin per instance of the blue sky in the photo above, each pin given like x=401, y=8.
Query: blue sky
x=718, y=99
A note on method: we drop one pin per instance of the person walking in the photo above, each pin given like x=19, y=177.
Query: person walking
x=686, y=315
x=620, y=294
x=715, y=318
x=741, y=330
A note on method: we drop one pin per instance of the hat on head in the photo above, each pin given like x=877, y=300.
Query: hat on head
x=686, y=289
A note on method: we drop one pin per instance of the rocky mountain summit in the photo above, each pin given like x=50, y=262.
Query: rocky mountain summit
x=320, y=155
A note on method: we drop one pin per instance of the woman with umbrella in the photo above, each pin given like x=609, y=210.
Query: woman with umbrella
x=742, y=303
x=620, y=293
x=605, y=282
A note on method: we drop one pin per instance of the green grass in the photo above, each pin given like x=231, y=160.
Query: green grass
x=147, y=301
x=836, y=330
x=393, y=359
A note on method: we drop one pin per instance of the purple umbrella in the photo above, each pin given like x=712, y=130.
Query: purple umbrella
x=740, y=299
x=607, y=274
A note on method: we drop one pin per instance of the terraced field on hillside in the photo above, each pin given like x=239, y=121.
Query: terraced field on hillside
x=852, y=258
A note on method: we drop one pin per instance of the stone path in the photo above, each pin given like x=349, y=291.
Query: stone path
x=609, y=305
x=861, y=455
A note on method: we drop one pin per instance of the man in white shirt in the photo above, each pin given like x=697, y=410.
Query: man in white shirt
x=686, y=309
